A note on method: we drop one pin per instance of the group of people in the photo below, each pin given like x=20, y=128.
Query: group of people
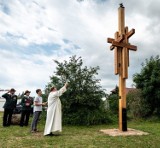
x=54, y=113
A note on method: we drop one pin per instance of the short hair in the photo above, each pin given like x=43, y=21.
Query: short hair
x=12, y=90
x=52, y=88
x=38, y=90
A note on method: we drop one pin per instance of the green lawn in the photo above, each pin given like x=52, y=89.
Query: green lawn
x=80, y=137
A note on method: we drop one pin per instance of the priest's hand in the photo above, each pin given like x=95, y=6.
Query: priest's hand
x=66, y=84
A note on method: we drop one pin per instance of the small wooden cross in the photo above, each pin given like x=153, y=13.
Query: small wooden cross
x=121, y=47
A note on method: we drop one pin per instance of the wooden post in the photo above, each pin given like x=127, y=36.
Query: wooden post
x=122, y=81
x=121, y=46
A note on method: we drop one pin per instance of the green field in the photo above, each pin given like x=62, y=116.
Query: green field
x=80, y=137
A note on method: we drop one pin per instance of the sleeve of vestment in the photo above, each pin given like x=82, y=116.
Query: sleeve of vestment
x=61, y=91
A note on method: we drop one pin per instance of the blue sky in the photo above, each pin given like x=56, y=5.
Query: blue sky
x=34, y=32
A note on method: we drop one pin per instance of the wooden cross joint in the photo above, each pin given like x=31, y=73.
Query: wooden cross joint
x=119, y=41
x=126, y=45
x=122, y=46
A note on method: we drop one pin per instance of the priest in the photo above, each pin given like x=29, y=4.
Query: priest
x=54, y=113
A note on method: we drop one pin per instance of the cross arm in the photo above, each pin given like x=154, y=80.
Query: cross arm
x=110, y=40
x=129, y=46
x=119, y=39
x=130, y=33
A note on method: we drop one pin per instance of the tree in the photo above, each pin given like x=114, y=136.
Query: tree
x=137, y=107
x=148, y=80
x=82, y=103
x=113, y=99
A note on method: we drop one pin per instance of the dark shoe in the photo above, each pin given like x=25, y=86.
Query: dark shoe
x=50, y=134
x=55, y=134
x=37, y=130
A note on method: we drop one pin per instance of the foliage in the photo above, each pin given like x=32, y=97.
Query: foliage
x=148, y=80
x=82, y=103
x=137, y=107
x=113, y=101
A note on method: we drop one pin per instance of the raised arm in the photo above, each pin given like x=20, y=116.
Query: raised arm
x=5, y=95
x=62, y=90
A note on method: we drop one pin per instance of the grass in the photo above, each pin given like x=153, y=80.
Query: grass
x=80, y=137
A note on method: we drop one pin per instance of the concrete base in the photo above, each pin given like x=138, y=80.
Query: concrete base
x=117, y=132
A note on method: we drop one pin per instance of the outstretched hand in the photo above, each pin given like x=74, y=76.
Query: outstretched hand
x=66, y=84
x=44, y=103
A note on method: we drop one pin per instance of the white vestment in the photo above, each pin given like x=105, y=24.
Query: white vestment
x=54, y=113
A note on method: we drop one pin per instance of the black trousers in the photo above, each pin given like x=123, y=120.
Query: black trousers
x=25, y=117
x=7, y=116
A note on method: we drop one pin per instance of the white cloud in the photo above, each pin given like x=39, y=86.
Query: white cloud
x=86, y=24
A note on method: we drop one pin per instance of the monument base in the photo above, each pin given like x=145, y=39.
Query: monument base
x=117, y=132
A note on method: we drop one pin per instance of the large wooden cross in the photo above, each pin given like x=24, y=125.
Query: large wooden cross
x=121, y=47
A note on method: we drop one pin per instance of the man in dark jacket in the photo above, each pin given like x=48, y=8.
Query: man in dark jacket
x=9, y=106
x=26, y=103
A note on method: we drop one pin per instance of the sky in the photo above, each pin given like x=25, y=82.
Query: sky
x=34, y=32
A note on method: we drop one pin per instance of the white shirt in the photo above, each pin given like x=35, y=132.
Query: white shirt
x=38, y=99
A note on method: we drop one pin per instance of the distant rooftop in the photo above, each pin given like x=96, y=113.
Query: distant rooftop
x=127, y=90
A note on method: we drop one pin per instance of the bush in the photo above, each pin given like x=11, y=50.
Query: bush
x=148, y=80
x=113, y=103
x=85, y=116
x=137, y=107
x=113, y=100
x=82, y=103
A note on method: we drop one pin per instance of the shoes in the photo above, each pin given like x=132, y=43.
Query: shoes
x=34, y=131
x=51, y=134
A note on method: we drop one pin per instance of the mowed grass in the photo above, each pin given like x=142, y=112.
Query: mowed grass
x=80, y=137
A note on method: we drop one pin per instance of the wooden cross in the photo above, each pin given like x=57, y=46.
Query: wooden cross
x=121, y=47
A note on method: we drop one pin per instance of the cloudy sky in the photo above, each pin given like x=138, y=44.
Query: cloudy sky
x=33, y=32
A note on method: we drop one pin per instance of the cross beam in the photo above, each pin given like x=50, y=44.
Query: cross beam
x=121, y=47
x=118, y=43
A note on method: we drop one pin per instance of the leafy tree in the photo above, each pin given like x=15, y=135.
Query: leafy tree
x=148, y=80
x=82, y=103
x=137, y=107
x=113, y=99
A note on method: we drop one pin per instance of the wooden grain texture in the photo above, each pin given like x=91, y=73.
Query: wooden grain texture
x=121, y=47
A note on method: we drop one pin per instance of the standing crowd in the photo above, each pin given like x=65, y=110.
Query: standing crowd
x=54, y=112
